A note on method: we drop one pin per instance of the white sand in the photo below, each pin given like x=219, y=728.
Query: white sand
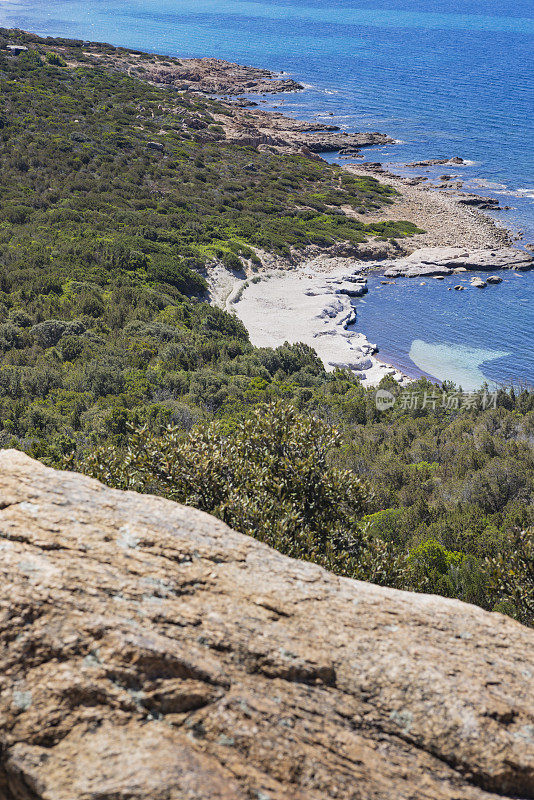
x=304, y=306
x=300, y=304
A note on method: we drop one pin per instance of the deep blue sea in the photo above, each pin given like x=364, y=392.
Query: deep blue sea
x=444, y=77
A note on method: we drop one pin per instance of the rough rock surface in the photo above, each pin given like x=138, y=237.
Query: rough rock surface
x=284, y=134
x=147, y=651
x=206, y=75
x=443, y=260
x=431, y=162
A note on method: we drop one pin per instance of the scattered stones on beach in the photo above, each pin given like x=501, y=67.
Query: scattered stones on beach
x=445, y=222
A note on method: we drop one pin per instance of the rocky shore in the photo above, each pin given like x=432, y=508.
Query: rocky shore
x=448, y=260
x=278, y=133
x=446, y=221
x=205, y=75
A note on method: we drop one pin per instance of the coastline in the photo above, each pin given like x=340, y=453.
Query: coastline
x=305, y=301
x=446, y=222
x=299, y=300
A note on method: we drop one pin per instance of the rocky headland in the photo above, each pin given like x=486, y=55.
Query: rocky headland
x=148, y=651
x=228, y=82
x=204, y=75
x=276, y=132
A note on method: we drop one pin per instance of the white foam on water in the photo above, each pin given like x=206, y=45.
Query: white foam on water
x=454, y=362
x=488, y=184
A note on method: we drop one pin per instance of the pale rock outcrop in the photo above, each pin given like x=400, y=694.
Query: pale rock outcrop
x=446, y=260
x=147, y=651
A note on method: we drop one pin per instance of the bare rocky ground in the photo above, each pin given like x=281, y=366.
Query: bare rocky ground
x=206, y=75
x=274, y=131
x=446, y=222
x=147, y=651
x=213, y=76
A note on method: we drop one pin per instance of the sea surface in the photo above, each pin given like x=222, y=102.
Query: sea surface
x=455, y=336
x=443, y=77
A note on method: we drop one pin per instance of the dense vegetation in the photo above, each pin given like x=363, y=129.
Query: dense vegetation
x=438, y=501
x=116, y=197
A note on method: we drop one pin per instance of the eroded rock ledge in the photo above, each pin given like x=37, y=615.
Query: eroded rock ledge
x=446, y=260
x=147, y=651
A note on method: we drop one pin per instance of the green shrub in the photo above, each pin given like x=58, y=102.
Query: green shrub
x=269, y=476
x=55, y=59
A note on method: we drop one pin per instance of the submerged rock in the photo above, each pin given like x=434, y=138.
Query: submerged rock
x=431, y=162
x=148, y=651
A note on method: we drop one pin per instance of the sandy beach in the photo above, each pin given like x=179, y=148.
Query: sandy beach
x=311, y=305
x=310, y=301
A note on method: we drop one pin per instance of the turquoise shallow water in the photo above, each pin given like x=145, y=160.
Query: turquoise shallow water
x=445, y=77
x=469, y=337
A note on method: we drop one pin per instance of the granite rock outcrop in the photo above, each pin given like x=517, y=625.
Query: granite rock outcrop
x=148, y=651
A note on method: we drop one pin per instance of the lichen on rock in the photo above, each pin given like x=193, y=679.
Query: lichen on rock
x=184, y=660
